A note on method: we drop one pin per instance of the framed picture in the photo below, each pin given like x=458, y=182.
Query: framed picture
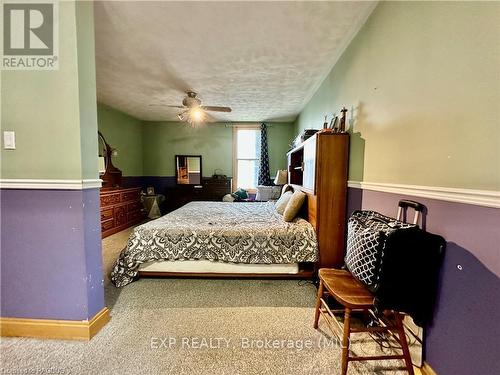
x=150, y=191
x=331, y=122
x=334, y=123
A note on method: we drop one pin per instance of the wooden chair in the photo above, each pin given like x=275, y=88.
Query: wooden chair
x=353, y=296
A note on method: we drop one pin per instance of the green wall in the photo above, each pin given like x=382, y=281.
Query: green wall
x=279, y=137
x=163, y=140
x=44, y=108
x=148, y=148
x=87, y=88
x=422, y=82
x=124, y=133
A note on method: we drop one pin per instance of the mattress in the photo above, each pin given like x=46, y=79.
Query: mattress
x=249, y=233
x=207, y=266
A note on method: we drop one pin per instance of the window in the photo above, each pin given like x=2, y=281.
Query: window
x=246, y=155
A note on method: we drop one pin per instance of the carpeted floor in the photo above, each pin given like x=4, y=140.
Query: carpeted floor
x=196, y=326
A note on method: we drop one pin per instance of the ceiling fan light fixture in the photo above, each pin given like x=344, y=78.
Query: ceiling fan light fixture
x=196, y=114
x=193, y=112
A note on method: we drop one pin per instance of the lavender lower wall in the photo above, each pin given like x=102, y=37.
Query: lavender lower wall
x=465, y=334
x=93, y=251
x=51, y=262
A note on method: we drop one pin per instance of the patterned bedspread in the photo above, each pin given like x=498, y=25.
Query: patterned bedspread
x=218, y=231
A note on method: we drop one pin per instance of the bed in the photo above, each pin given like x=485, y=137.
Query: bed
x=218, y=239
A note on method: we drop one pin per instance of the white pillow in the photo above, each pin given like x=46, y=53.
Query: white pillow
x=267, y=193
x=283, y=202
x=228, y=198
x=286, y=188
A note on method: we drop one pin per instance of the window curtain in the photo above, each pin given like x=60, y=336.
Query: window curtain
x=264, y=174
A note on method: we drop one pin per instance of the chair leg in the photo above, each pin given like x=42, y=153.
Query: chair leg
x=318, y=303
x=404, y=343
x=345, y=340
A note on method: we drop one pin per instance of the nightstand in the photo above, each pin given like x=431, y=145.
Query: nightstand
x=152, y=205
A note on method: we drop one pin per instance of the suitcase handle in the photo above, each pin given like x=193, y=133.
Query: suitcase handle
x=404, y=204
x=415, y=205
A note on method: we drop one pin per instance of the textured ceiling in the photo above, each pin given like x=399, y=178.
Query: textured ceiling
x=263, y=59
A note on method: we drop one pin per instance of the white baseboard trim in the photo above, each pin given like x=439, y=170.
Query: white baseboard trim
x=39, y=184
x=486, y=198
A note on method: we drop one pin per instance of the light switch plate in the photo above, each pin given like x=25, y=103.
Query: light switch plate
x=9, y=140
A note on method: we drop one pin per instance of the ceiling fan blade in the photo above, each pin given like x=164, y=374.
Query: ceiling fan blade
x=164, y=105
x=215, y=109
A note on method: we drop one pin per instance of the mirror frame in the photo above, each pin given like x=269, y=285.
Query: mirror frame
x=112, y=178
x=177, y=172
x=100, y=139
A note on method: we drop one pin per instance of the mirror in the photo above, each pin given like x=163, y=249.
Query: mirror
x=102, y=154
x=188, y=169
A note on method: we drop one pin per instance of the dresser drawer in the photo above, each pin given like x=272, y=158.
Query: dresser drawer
x=130, y=196
x=107, y=224
x=110, y=199
x=106, y=214
x=120, y=209
x=134, y=206
x=120, y=215
x=198, y=191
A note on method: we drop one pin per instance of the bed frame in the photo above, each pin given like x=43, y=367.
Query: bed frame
x=306, y=273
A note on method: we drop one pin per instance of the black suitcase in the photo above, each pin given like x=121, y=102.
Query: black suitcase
x=406, y=264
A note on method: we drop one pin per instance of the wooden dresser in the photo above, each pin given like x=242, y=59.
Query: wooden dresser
x=120, y=209
x=212, y=189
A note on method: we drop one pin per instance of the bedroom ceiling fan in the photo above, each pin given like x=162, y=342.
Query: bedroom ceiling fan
x=193, y=112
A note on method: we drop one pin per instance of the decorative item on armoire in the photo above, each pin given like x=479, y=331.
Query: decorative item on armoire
x=335, y=124
x=330, y=126
x=325, y=124
x=342, y=120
